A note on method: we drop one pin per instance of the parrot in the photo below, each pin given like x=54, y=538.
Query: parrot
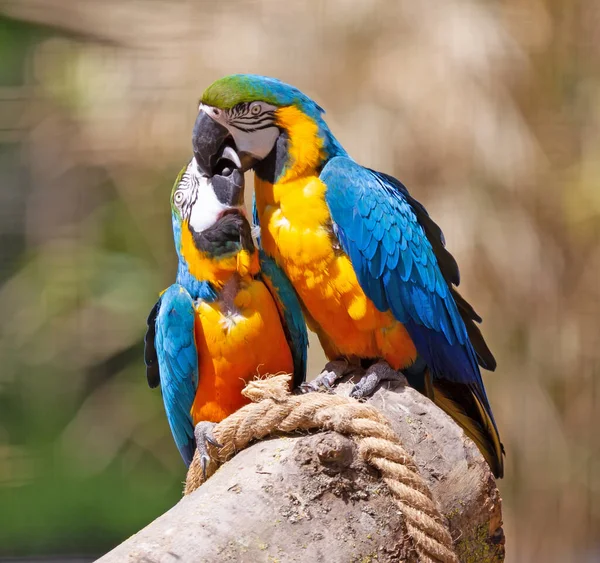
x=368, y=264
x=230, y=316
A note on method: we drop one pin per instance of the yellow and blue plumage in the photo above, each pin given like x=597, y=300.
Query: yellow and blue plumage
x=368, y=263
x=225, y=321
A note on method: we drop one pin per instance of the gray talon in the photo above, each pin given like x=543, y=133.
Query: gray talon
x=332, y=371
x=212, y=441
x=377, y=373
x=204, y=435
x=308, y=387
x=204, y=461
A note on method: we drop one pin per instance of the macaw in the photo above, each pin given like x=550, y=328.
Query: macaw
x=229, y=317
x=368, y=263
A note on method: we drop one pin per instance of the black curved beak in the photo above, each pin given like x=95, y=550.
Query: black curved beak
x=208, y=138
x=229, y=188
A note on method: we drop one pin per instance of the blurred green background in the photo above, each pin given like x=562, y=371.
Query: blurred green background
x=488, y=110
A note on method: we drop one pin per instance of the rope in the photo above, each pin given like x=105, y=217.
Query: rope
x=274, y=409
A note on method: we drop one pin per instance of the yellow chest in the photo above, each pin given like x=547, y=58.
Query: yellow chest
x=296, y=231
x=235, y=346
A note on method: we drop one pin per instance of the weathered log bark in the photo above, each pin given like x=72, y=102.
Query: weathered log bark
x=311, y=498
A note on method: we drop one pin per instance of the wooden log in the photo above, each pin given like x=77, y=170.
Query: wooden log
x=310, y=498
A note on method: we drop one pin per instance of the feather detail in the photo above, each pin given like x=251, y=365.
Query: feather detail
x=178, y=364
x=416, y=286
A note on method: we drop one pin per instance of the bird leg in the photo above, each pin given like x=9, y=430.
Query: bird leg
x=204, y=436
x=378, y=372
x=334, y=370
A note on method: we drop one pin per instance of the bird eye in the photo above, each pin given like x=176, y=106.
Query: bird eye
x=255, y=109
x=216, y=112
x=178, y=198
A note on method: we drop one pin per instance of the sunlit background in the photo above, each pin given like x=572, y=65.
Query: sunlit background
x=488, y=110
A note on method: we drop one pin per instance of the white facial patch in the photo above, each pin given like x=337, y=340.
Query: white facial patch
x=257, y=143
x=206, y=208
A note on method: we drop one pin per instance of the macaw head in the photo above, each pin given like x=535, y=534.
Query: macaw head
x=241, y=118
x=212, y=234
x=200, y=201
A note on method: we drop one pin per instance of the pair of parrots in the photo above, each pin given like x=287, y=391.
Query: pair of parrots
x=343, y=249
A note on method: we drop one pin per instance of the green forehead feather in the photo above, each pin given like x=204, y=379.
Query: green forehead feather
x=232, y=90
x=236, y=89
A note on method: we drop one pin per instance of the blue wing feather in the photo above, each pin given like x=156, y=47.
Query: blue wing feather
x=178, y=364
x=411, y=273
x=401, y=276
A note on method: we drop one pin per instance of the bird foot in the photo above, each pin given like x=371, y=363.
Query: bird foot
x=378, y=372
x=332, y=371
x=204, y=436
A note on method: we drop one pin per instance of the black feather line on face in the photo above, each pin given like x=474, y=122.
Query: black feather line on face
x=239, y=110
x=241, y=118
x=188, y=187
x=252, y=129
x=188, y=204
x=256, y=118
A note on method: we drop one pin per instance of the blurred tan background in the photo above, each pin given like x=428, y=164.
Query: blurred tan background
x=489, y=111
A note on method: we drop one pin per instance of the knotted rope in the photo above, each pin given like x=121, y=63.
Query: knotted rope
x=274, y=409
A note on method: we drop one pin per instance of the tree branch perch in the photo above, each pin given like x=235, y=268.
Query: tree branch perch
x=313, y=498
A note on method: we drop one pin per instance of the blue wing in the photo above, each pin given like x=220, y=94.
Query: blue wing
x=449, y=270
x=377, y=225
x=291, y=314
x=390, y=252
x=178, y=364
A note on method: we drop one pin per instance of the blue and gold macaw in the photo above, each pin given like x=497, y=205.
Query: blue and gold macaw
x=368, y=263
x=229, y=317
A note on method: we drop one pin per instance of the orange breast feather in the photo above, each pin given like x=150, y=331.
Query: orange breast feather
x=293, y=216
x=234, y=347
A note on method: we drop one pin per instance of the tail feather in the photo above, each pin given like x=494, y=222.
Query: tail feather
x=455, y=378
x=462, y=404
x=485, y=358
